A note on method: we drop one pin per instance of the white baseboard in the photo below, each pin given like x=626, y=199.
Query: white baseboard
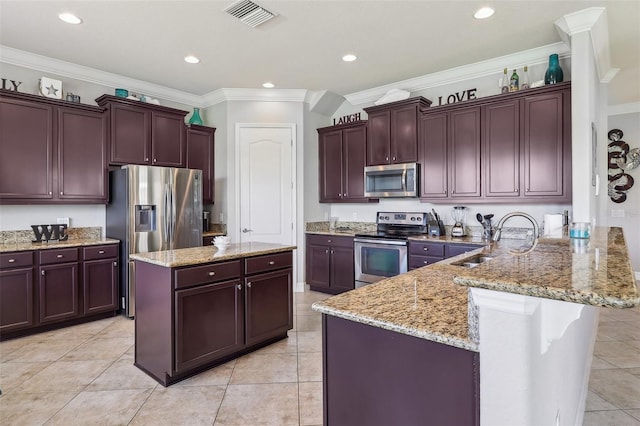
x=298, y=287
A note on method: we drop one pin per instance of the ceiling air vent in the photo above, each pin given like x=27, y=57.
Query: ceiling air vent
x=250, y=13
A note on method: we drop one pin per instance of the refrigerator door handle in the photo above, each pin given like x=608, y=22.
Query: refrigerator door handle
x=167, y=217
x=172, y=224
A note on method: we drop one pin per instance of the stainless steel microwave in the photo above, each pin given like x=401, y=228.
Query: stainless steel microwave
x=391, y=180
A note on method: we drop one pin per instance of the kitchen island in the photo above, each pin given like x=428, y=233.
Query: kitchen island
x=507, y=342
x=199, y=307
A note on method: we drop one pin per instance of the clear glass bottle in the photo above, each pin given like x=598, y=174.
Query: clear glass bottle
x=505, y=82
x=525, y=79
x=514, y=82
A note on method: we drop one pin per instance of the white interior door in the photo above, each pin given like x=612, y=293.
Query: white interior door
x=266, y=172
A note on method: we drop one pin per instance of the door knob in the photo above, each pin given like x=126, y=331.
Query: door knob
x=245, y=230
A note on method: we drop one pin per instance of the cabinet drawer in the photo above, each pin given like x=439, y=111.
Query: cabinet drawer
x=13, y=260
x=207, y=273
x=58, y=256
x=330, y=240
x=420, y=261
x=456, y=249
x=268, y=262
x=426, y=249
x=100, y=252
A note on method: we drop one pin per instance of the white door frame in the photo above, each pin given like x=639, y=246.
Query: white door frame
x=294, y=202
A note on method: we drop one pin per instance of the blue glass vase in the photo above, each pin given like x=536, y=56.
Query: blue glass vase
x=554, y=72
x=196, y=119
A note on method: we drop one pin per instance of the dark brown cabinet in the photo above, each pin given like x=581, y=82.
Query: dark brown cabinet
x=423, y=253
x=342, y=151
x=392, y=136
x=190, y=318
x=504, y=148
x=16, y=291
x=200, y=155
x=100, y=279
x=51, y=151
x=143, y=133
x=269, y=290
x=330, y=263
x=58, y=285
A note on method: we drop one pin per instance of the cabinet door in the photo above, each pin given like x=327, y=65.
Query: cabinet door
x=543, y=145
x=464, y=152
x=379, y=138
x=342, y=268
x=456, y=249
x=58, y=292
x=82, y=155
x=208, y=323
x=200, y=155
x=404, y=135
x=100, y=286
x=330, y=150
x=130, y=135
x=16, y=299
x=433, y=156
x=26, y=149
x=318, y=264
x=167, y=139
x=502, y=149
x=354, y=148
x=269, y=305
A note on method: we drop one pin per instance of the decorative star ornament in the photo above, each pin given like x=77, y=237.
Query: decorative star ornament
x=52, y=90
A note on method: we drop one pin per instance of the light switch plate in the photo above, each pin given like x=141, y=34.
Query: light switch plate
x=617, y=213
x=64, y=221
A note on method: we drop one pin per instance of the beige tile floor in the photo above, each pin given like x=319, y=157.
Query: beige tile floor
x=84, y=375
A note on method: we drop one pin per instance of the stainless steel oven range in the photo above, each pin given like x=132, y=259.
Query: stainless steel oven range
x=383, y=253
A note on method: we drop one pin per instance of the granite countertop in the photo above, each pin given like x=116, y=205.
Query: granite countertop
x=199, y=255
x=432, y=302
x=78, y=242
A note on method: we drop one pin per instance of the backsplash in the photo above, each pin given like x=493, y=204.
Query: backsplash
x=27, y=235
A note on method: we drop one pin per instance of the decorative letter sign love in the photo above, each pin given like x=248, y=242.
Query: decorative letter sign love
x=465, y=95
x=50, y=232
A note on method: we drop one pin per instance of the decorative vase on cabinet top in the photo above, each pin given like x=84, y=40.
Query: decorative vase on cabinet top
x=554, y=73
x=196, y=119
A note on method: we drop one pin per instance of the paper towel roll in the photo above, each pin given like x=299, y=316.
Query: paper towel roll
x=553, y=225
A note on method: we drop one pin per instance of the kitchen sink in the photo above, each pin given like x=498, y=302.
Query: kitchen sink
x=473, y=261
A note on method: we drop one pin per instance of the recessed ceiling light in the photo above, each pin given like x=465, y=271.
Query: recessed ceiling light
x=349, y=58
x=70, y=18
x=268, y=85
x=191, y=59
x=483, y=13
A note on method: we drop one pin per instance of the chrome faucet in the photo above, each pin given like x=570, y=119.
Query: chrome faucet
x=498, y=233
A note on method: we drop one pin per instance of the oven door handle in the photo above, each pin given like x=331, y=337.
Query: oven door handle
x=381, y=242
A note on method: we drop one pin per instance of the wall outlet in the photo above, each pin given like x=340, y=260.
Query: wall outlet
x=617, y=213
x=355, y=216
x=64, y=221
x=221, y=217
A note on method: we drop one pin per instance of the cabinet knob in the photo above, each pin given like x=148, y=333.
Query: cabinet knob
x=326, y=251
x=426, y=262
x=11, y=260
x=425, y=248
x=59, y=256
x=146, y=158
x=115, y=264
x=272, y=263
x=101, y=251
x=155, y=160
x=393, y=158
x=61, y=193
x=344, y=195
x=49, y=192
x=328, y=241
x=249, y=284
x=42, y=273
x=386, y=158
x=212, y=273
x=239, y=286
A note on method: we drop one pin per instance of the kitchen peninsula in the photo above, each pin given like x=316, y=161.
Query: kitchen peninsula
x=201, y=306
x=507, y=342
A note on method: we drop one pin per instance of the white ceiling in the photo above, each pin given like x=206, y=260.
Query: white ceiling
x=302, y=47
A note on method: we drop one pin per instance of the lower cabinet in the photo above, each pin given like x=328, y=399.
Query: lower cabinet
x=423, y=253
x=330, y=263
x=190, y=318
x=47, y=288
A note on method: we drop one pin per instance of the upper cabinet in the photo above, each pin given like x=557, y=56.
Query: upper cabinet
x=393, y=132
x=342, y=160
x=51, y=151
x=200, y=155
x=504, y=148
x=143, y=133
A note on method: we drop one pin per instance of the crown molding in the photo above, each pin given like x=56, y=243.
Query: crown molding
x=45, y=64
x=255, y=95
x=494, y=66
x=629, y=108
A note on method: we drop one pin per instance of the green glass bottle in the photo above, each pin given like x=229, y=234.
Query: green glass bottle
x=554, y=73
x=195, y=117
x=514, y=82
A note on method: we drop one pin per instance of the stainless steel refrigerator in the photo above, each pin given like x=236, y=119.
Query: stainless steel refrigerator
x=151, y=209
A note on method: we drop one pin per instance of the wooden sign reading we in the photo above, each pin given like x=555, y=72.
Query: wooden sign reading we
x=50, y=232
